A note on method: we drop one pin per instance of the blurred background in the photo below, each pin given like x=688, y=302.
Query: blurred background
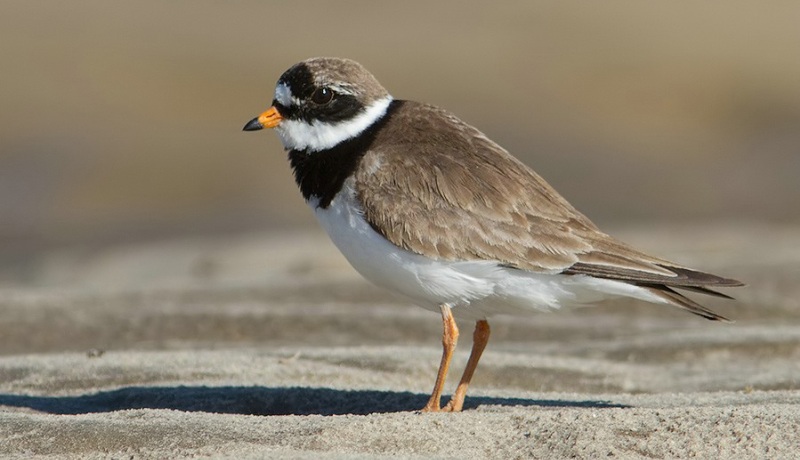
x=120, y=122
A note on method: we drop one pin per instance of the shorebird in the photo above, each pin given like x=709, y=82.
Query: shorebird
x=428, y=206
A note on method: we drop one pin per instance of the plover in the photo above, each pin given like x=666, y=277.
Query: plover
x=426, y=205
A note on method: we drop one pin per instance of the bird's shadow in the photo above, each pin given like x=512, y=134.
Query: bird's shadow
x=259, y=400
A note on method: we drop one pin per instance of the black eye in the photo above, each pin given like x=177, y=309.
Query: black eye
x=322, y=96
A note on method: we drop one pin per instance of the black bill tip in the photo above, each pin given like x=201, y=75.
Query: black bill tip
x=253, y=125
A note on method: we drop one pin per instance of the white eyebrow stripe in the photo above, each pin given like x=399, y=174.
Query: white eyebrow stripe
x=342, y=89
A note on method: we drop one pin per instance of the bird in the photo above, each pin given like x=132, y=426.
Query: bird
x=423, y=204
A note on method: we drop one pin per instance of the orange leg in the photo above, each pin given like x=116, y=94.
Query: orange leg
x=449, y=340
x=479, y=340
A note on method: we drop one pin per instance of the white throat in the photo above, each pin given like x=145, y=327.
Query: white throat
x=316, y=136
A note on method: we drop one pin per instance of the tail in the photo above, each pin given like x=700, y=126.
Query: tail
x=681, y=301
x=661, y=285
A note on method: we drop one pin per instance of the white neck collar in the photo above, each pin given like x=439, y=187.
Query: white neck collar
x=318, y=135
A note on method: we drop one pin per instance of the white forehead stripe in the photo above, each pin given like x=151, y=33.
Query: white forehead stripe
x=318, y=135
x=283, y=94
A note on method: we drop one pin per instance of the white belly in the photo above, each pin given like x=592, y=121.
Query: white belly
x=474, y=289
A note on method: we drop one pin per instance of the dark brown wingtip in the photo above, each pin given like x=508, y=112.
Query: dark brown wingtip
x=691, y=277
x=685, y=278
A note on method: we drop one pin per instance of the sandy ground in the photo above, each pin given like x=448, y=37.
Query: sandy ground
x=269, y=346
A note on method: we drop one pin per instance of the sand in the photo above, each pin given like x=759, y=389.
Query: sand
x=269, y=346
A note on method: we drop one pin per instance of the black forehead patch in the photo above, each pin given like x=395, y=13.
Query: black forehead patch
x=300, y=80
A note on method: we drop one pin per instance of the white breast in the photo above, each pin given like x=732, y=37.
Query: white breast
x=474, y=289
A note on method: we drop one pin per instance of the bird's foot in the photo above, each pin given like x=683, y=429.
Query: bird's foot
x=430, y=408
x=453, y=406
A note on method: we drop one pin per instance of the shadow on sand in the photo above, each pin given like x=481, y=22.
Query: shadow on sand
x=259, y=400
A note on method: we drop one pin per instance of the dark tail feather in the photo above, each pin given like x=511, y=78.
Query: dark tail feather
x=681, y=301
x=705, y=290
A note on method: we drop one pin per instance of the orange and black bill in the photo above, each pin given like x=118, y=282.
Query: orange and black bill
x=269, y=119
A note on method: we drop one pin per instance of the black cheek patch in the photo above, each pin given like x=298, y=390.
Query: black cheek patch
x=342, y=107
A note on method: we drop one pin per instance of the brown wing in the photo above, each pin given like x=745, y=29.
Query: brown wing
x=436, y=186
x=461, y=197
